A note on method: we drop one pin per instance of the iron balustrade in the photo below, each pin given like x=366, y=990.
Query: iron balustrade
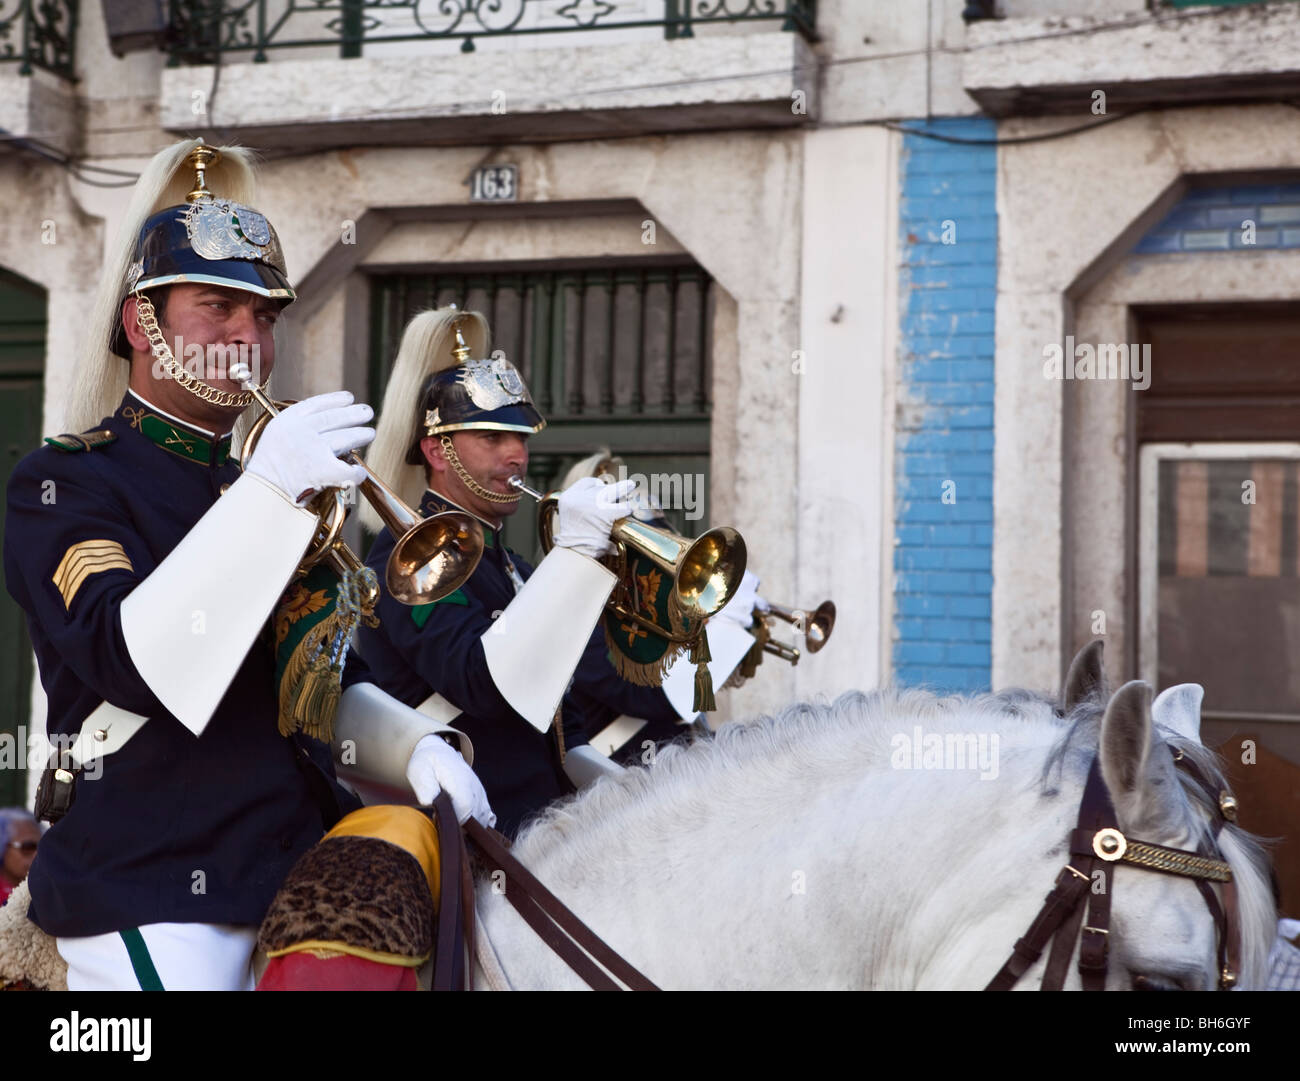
x=202, y=30
x=39, y=34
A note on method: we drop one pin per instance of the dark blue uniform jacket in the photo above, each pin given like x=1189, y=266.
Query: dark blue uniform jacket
x=436, y=647
x=176, y=828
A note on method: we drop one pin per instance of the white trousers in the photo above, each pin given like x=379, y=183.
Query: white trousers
x=162, y=956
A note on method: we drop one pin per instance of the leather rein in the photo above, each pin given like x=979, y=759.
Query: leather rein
x=1096, y=846
x=572, y=940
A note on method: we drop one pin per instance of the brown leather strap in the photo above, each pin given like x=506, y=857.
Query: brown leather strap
x=1072, y=886
x=449, y=965
x=1058, y=961
x=573, y=940
x=568, y=951
x=1066, y=896
x=1095, y=813
x=467, y=908
x=1231, y=953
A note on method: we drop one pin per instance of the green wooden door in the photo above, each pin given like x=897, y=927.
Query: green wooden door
x=22, y=359
x=615, y=356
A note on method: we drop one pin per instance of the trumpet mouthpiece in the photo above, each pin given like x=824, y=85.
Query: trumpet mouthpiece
x=518, y=482
x=241, y=372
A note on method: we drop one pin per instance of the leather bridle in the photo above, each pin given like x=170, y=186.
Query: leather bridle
x=572, y=940
x=1096, y=845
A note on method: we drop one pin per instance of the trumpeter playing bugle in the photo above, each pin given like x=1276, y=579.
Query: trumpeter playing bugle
x=148, y=566
x=498, y=655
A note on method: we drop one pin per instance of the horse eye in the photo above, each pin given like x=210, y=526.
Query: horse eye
x=1154, y=983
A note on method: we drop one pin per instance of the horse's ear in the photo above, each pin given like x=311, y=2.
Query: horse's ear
x=1086, y=676
x=1125, y=749
x=1178, y=709
x=1140, y=781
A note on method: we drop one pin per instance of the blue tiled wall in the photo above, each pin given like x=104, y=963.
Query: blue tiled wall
x=1212, y=219
x=943, y=553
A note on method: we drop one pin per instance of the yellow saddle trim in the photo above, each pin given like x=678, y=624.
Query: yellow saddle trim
x=325, y=951
x=405, y=827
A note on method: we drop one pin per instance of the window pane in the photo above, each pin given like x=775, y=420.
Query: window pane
x=1229, y=576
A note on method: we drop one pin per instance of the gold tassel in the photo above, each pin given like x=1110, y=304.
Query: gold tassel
x=313, y=676
x=318, y=702
x=311, y=687
x=703, y=680
x=643, y=675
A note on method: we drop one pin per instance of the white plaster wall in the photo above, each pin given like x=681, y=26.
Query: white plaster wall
x=514, y=240
x=891, y=61
x=604, y=75
x=844, y=516
x=117, y=96
x=1089, y=52
x=39, y=106
x=34, y=194
x=1063, y=206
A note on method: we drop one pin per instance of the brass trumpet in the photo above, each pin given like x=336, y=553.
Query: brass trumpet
x=816, y=628
x=705, y=571
x=432, y=557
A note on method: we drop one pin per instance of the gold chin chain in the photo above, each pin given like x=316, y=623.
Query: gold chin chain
x=147, y=317
x=470, y=482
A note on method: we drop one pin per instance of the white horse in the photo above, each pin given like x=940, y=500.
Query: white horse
x=892, y=840
x=846, y=846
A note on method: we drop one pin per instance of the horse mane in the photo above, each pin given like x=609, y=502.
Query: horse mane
x=747, y=766
x=747, y=762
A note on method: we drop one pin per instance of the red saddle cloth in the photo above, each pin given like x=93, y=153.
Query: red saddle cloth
x=358, y=911
x=307, y=972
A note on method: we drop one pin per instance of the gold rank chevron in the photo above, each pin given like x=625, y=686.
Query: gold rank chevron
x=84, y=559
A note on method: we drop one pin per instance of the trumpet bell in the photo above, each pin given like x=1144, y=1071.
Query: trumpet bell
x=820, y=626
x=711, y=570
x=706, y=571
x=815, y=627
x=434, y=557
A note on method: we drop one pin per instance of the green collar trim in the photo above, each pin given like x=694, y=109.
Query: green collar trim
x=183, y=440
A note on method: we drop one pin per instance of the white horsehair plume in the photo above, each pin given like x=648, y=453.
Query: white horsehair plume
x=587, y=467
x=426, y=347
x=164, y=182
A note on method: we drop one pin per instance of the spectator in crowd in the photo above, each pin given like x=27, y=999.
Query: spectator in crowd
x=19, y=834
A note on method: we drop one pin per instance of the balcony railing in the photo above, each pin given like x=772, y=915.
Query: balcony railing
x=39, y=34
x=204, y=29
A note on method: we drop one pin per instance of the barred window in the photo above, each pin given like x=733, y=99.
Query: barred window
x=614, y=356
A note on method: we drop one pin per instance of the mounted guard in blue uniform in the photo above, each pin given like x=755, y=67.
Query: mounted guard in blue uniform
x=148, y=564
x=513, y=660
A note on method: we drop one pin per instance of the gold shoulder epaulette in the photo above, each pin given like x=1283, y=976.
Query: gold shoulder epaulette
x=86, y=441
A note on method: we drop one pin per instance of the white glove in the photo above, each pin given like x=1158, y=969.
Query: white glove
x=586, y=513
x=740, y=609
x=299, y=450
x=434, y=767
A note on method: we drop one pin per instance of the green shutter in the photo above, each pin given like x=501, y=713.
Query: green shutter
x=22, y=360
